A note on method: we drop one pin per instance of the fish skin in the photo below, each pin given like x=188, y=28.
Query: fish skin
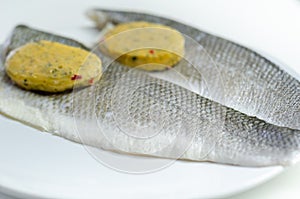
x=252, y=84
x=201, y=128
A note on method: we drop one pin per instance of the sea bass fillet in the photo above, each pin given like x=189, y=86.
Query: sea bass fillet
x=251, y=83
x=132, y=112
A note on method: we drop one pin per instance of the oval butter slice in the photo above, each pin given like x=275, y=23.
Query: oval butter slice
x=52, y=67
x=138, y=44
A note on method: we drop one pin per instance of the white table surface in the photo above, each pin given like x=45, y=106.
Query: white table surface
x=271, y=26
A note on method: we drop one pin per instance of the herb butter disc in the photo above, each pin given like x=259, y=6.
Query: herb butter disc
x=52, y=67
x=138, y=44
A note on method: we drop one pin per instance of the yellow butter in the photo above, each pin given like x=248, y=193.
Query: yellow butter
x=52, y=67
x=138, y=44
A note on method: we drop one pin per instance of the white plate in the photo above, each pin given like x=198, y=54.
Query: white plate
x=38, y=164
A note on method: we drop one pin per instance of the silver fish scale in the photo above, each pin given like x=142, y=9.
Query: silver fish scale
x=252, y=84
x=252, y=81
x=235, y=134
x=255, y=139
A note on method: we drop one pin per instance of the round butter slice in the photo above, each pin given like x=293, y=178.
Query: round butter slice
x=52, y=67
x=138, y=44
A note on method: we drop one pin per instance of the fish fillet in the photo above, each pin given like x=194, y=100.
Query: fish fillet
x=133, y=112
x=252, y=84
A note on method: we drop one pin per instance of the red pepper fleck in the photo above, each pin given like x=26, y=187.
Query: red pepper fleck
x=76, y=77
x=91, y=81
x=151, y=51
x=102, y=39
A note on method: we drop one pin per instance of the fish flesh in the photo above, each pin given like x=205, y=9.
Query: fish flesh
x=132, y=112
x=251, y=83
